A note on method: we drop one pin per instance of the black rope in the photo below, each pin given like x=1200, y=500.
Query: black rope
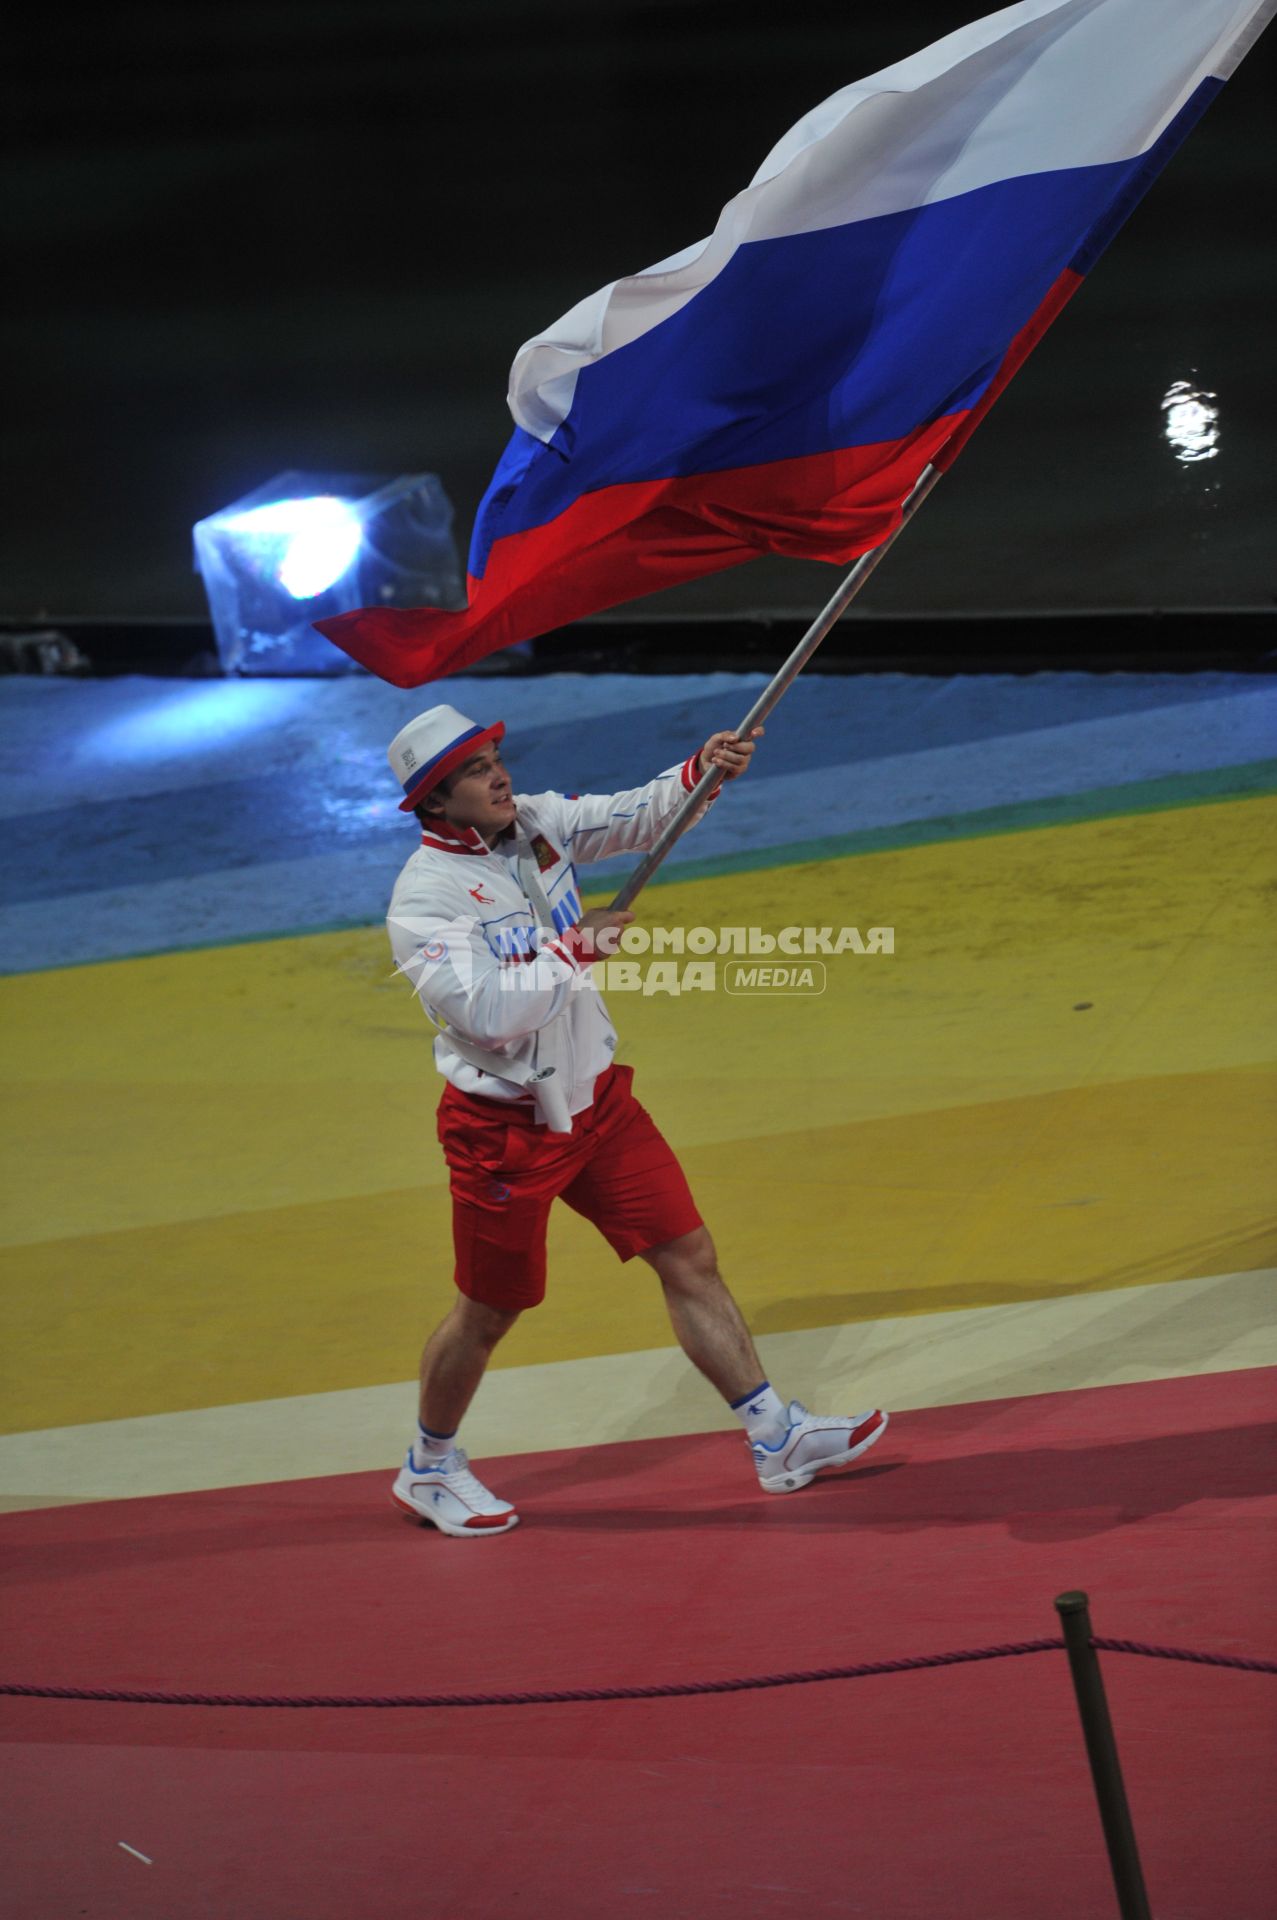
x=556, y=1697
x=153, y=1697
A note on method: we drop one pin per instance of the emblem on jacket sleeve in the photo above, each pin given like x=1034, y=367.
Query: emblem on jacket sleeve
x=546, y=856
x=422, y=946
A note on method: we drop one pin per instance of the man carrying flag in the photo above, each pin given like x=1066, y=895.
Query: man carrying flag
x=793, y=384
x=486, y=921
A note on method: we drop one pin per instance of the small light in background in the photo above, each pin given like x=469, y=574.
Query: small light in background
x=305, y=546
x=1190, y=421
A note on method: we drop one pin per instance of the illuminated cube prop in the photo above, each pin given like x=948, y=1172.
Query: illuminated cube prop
x=308, y=545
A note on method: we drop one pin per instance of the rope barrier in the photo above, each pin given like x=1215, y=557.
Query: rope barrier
x=673, y=1690
x=1103, y=1644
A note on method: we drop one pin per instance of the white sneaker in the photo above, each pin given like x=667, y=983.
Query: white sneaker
x=449, y=1495
x=814, y=1445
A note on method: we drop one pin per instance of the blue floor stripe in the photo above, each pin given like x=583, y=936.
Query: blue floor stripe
x=144, y=816
x=970, y=777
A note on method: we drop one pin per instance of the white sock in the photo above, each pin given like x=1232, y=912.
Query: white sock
x=428, y=1449
x=763, y=1414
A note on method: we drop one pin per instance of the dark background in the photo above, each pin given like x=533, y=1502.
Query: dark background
x=245, y=238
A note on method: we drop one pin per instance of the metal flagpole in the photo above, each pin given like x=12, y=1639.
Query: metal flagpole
x=771, y=694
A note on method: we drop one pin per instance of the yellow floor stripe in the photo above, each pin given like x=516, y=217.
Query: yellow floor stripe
x=229, y=1188
x=1016, y=1200
x=1185, y=1327
x=270, y=1074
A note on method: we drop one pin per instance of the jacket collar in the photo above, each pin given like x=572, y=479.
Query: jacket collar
x=445, y=838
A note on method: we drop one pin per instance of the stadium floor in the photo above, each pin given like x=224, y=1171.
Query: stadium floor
x=1023, y=1159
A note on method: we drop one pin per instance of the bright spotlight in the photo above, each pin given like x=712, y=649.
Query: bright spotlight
x=306, y=546
x=1190, y=422
x=309, y=542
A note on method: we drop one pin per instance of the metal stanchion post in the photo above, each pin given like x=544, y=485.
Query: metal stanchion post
x=1101, y=1748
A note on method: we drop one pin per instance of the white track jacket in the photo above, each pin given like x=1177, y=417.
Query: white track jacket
x=464, y=931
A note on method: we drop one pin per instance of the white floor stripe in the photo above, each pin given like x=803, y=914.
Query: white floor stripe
x=1158, y=1332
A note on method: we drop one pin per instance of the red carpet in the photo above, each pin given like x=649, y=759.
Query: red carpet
x=940, y=1794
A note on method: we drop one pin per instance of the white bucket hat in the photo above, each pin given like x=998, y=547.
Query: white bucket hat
x=428, y=749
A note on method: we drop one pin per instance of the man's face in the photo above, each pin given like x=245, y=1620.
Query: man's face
x=479, y=794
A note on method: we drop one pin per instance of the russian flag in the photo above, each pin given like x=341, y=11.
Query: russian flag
x=781, y=386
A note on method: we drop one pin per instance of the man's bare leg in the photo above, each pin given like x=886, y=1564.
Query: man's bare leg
x=435, y=1482
x=790, y=1446
x=455, y=1359
x=705, y=1318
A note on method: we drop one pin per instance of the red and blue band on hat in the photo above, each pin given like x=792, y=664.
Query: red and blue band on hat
x=427, y=776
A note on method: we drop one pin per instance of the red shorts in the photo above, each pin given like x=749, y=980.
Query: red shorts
x=614, y=1167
